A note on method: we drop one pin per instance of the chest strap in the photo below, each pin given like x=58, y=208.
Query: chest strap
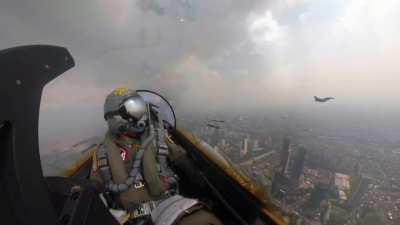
x=134, y=176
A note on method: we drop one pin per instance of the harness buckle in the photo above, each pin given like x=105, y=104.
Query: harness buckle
x=138, y=185
x=144, y=209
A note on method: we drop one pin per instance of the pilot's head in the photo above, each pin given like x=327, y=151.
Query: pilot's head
x=125, y=111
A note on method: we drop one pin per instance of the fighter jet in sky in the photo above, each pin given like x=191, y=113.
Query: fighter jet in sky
x=318, y=99
x=218, y=121
x=213, y=126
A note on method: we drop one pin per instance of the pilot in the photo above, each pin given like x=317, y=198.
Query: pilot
x=137, y=175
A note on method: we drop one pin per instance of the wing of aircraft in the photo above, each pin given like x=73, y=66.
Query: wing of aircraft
x=67, y=196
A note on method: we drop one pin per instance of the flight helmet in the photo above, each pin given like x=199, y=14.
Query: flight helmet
x=126, y=103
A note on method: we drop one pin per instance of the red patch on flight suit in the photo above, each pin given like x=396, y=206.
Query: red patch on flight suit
x=124, y=154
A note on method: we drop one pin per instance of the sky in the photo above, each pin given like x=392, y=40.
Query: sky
x=211, y=56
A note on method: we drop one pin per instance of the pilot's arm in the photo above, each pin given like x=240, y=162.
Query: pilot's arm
x=181, y=161
x=94, y=172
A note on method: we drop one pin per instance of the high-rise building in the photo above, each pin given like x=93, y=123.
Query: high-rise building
x=280, y=186
x=292, y=161
x=297, y=164
x=284, y=156
x=223, y=142
x=256, y=146
x=357, y=169
x=235, y=152
x=245, y=147
x=215, y=137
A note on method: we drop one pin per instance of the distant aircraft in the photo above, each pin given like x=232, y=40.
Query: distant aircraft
x=213, y=126
x=318, y=99
x=218, y=121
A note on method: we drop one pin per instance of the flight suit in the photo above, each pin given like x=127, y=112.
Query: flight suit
x=155, y=187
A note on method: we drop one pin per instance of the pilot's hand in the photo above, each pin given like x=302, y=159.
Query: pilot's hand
x=176, y=152
x=179, y=158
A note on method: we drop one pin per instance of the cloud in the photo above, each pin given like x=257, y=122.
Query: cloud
x=264, y=29
x=212, y=55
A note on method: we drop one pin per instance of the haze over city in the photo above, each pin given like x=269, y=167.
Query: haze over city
x=212, y=56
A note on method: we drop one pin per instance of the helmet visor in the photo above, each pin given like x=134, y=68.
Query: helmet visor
x=135, y=107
